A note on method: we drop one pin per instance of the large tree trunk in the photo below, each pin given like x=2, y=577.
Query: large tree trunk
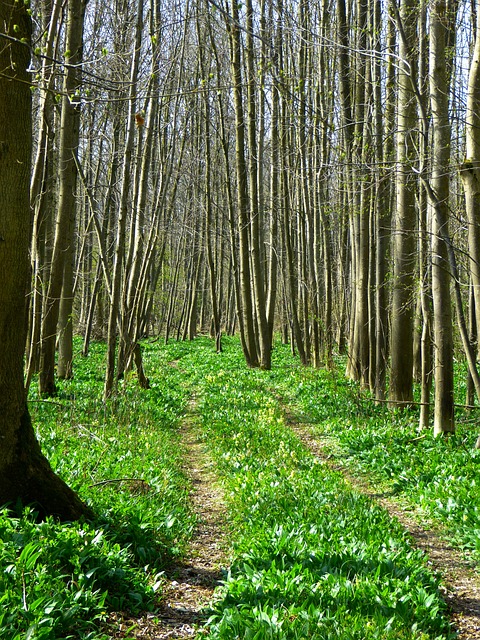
x=25, y=474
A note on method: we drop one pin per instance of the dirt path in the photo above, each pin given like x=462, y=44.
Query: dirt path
x=190, y=584
x=462, y=584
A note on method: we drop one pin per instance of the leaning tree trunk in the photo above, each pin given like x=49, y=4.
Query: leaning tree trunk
x=209, y=237
x=25, y=474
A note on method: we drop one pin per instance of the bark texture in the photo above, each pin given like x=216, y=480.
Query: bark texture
x=25, y=474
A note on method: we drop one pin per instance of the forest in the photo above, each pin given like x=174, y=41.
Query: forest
x=181, y=182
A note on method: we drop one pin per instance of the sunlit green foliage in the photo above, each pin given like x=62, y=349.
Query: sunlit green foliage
x=60, y=580
x=437, y=476
x=312, y=559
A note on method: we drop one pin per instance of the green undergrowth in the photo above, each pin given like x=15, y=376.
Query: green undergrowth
x=437, y=477
x=312, y=559
x=123, y=458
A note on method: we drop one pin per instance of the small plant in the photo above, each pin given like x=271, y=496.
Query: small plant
x=437, y=476
x=311, y=558
x=62, y=580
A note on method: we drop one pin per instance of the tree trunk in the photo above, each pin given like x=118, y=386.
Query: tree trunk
x=123, y=212
x=384, y=126
x=255, y=201
x=64, y=226
x=404, y=253
x=245, y=280
x=470, y=171
x=442, y=306
x=25, y=474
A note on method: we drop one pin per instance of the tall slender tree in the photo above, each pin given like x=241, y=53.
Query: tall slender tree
x=404, y=238
x=440, y=26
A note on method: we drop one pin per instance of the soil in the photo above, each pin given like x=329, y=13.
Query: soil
x=189, y=585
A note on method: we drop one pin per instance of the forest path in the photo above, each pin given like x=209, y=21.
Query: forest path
x=461, y=582
x=189, y=583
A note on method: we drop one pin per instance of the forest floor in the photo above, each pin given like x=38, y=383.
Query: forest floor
x=190, y=585
x=461, y=583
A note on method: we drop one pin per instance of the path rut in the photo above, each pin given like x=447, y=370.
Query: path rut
x=189, y=585
x=461, y=582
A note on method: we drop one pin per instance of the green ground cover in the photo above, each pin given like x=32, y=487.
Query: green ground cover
x=311, y=558
x=438, y=477
x=60, y=580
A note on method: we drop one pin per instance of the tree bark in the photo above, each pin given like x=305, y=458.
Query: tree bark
x=470, y=171
x=123, y=212
x=404, y=253
x=442, y=306
x=25, y=474
x=60, y=289
x=245, y=280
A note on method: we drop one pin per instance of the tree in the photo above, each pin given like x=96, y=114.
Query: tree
x=442, y=308
x=59, y=301
x=123, y=209
x=404, y=254
x=25, y=474
x=470, y=172
x=244, y=219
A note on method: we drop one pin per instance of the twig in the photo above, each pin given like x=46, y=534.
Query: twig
x=418, y=438
x=113, y=480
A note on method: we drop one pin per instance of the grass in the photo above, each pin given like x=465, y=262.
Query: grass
x=310, y=557
x=123, y=458
x=437, y=477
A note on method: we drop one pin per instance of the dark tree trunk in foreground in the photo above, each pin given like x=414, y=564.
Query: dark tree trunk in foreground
x=25, y=474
